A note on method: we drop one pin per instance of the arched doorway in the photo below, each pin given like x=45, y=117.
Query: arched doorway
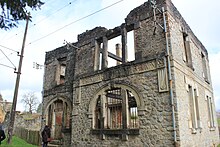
x=58, y=117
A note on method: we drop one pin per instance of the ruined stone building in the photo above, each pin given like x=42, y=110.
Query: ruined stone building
x=163, y=96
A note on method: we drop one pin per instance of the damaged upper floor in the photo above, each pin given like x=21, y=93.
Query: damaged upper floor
x=140, y=38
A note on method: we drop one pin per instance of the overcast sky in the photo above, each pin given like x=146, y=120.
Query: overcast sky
x=61, y=20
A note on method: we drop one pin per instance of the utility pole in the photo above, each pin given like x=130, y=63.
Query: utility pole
x=13, y=108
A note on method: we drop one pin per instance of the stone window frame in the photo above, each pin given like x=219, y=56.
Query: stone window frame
x=101, y=46
x=211, y=111
x=205, y=72
x=195, y=123
x=187, y=54
x=60, y=75
x=123, y=132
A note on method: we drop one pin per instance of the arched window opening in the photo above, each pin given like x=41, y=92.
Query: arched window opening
x=116, y=109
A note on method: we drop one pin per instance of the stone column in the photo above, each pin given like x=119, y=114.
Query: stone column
x=124, y=113
x=97, y=56
x=124, y=43
x=118, y=52
x=64, y=117
x=103, y=115
x=105, y=53
x=124, y=108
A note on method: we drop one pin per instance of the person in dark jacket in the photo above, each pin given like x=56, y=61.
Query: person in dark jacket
x=45, y=135
x=2, y=134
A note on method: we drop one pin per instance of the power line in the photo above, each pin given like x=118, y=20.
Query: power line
x=10, y=53
x=7, y=55
x=9, y=49
x=54, y=12
x=8, y=66
x=71, y=2
x=76, y=21
x=8, y=59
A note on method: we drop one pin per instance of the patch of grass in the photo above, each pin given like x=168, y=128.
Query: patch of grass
x=218, y=121
x=16, y=142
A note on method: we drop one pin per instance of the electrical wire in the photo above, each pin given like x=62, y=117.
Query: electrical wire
x=33, y=26
x=8, y=59
x=8, y=66
x=76, y=21
x=7, y=55
x=9, y=49
x=56, y=11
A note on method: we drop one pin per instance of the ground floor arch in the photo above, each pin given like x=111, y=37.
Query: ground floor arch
x=57, y=116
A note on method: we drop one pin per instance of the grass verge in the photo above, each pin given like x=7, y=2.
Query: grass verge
x=16, y=142
x=218, y=121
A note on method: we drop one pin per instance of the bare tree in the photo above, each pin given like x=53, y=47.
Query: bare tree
x=30, y=101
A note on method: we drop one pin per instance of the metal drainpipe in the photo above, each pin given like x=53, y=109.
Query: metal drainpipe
x=169, y=76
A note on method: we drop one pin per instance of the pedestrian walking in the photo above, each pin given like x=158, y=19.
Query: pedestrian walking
x=46, y=136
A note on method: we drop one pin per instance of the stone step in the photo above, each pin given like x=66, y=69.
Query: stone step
x=56, y=142
x=53, y=145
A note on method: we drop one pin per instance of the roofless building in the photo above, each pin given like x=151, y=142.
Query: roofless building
x=157, y=92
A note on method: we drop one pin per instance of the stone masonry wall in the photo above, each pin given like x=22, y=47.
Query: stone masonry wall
x=184, y=76
x=142, y=74
x=146, y=76
x=51, y=65
x=156, y=121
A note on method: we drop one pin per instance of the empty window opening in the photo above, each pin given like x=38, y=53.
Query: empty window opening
x=210, y=111
x=194, y=108
x=114, y=109
x=117, y=109
x=61, y=71
x=185, y=35
x=187, y=51
x=100, y=56
x=114, y=50
x=204, y=68
x=130, y=44
x=197, y=108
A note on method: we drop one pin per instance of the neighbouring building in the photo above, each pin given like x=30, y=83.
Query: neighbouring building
x=5, y=107
x=94, y=95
